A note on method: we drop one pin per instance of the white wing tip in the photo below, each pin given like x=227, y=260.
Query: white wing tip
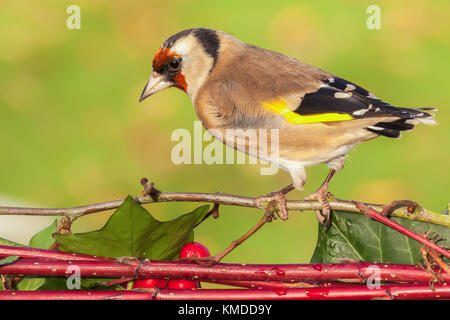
x=427, y=121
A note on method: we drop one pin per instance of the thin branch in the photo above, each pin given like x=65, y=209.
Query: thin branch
x=34, y=253
x=435, y=258
x=419, y=214
x=267, y=217
x=396, y=226
x=241, y=239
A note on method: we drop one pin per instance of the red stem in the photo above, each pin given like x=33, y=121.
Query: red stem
x=356, y=272
x=390, y=223
x=75, y=295
x=262, y=284
x=34, y=253
x=389, y=291
x=360, y=292
x=276, y=285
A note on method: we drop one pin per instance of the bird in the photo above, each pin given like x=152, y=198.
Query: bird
x=313, y=115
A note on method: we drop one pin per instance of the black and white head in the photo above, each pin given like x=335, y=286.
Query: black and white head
x=184, y=61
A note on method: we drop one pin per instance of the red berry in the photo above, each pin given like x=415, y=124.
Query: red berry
x=150, y=283
x=194, y=249
x=182, y=284
x=124, y=285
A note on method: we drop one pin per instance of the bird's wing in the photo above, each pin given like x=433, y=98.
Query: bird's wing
x=279, y=85
x=336, y=99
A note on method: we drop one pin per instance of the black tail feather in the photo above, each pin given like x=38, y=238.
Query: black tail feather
x=399, y=125
x=390, y=133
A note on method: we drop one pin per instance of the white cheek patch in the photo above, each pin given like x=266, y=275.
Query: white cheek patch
x=196, y=64
x=182, y=48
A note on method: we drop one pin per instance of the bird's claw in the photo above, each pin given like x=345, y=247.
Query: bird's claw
x=323, y=215
x=280, y=199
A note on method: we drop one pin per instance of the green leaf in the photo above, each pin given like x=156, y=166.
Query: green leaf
x=30, y=283
x=43, y=239
x=54, y=284
x=96, y=283
x=446, y=210
x=5, y=242
x=132, y=231
x=8, y=260
x=91, y=284
x=357, y=237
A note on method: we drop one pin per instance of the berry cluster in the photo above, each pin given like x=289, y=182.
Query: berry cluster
x=193, y=249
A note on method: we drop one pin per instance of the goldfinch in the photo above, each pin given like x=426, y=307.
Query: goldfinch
x=315, y=116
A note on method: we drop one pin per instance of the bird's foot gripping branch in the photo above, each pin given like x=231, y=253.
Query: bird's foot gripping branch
x=370, y=251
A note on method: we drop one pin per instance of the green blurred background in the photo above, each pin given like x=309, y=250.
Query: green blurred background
x=72, y=131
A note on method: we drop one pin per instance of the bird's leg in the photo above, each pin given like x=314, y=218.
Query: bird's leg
x=324, y=215
x=280, y=198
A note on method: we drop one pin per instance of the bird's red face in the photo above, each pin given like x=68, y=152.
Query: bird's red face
x=183, y=61
x=165, y=61
x=167, y=67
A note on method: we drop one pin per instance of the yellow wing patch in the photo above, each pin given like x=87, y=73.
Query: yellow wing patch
x=281, y=107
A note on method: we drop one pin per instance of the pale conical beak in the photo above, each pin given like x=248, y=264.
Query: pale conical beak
x=156, y=83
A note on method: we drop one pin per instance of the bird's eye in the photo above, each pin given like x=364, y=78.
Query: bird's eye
x=174, y=63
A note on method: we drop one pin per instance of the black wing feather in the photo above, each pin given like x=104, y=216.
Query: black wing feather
x=400, y=125
x=326, y=100
x=337, y=95
x=390, y=133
